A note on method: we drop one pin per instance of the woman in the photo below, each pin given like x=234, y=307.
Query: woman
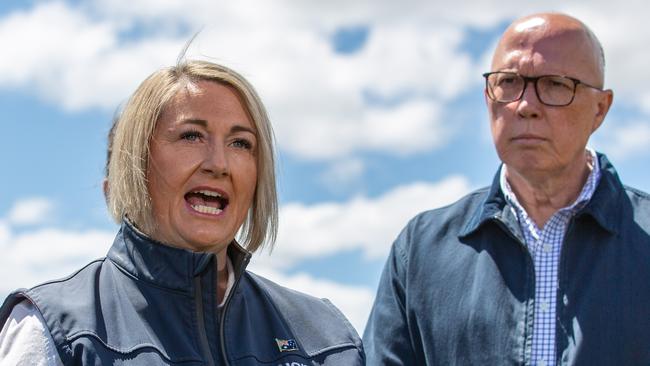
x=191, y=164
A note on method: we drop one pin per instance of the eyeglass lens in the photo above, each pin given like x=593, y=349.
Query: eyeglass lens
x=551, y=90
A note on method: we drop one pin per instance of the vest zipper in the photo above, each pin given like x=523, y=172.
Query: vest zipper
x=203, y=337
x=222, y=319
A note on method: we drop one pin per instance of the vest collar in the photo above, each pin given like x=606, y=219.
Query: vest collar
x=163, y=265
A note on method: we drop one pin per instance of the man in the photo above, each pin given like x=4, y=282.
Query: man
x=551, y=264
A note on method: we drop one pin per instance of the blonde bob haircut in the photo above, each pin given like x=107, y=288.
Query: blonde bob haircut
x=127, y=166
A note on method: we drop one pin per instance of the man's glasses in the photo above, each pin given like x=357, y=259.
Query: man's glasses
x=552, y=90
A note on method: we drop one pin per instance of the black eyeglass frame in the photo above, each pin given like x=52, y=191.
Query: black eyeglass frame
x=534, y=80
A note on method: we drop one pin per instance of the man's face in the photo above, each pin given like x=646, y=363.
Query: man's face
x=534, y=139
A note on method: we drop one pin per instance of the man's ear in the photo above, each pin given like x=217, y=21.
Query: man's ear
x=602, y=107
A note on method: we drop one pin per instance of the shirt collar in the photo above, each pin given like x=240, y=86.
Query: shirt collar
x=607, y=206
x=583, y=198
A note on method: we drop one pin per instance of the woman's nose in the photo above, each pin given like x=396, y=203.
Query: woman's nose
x=215, y=160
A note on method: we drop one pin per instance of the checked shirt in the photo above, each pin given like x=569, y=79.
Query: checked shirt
x=545, y=246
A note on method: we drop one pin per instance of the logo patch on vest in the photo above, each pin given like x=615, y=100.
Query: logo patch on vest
x=286, y=345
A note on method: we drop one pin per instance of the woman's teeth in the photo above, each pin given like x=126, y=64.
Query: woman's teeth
x=206, y=209
x=208, y=193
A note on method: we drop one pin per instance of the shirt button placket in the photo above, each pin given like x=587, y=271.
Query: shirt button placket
x=543, y=306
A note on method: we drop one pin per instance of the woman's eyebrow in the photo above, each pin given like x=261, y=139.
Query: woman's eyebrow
x=195, y=121
x=204, y=123
x=240, y=128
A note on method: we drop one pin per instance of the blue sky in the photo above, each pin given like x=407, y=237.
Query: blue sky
x=377, y=107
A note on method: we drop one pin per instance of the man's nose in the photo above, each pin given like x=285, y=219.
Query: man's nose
x=529, y=104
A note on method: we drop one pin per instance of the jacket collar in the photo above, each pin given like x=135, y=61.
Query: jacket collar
x=604, y=206
x=163, y=265
x=491, y=208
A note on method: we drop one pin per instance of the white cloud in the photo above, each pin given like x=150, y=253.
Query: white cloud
x=622, y=32
x=48, y=253
x=354, y=302
x=311, y=231
x=624, y=140
x=409, y=128
x=415, y=57
x=5, y=233
x=30, y=211
x=70, y=58
x=93, y=55
x=645, y=102
x=315, y=96
x=47, y=37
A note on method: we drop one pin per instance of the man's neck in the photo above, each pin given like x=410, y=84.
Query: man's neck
x=542, y=195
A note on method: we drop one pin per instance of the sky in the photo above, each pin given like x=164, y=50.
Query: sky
x=377, y=107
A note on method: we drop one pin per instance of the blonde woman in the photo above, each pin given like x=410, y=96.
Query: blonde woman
x=191, y=164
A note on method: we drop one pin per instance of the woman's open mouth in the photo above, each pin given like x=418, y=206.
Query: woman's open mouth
x=206, y=201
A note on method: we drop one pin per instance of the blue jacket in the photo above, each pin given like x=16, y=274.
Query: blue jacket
x=151, y=304
x=459, y=285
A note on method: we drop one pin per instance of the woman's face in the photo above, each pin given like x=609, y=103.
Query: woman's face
x=202, y=168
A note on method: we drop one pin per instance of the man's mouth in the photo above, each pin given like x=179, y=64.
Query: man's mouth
x=528, y=136
x=206, y=201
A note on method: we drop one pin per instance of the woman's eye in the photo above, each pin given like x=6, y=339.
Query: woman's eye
x=243, y=144
x=191, y=135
